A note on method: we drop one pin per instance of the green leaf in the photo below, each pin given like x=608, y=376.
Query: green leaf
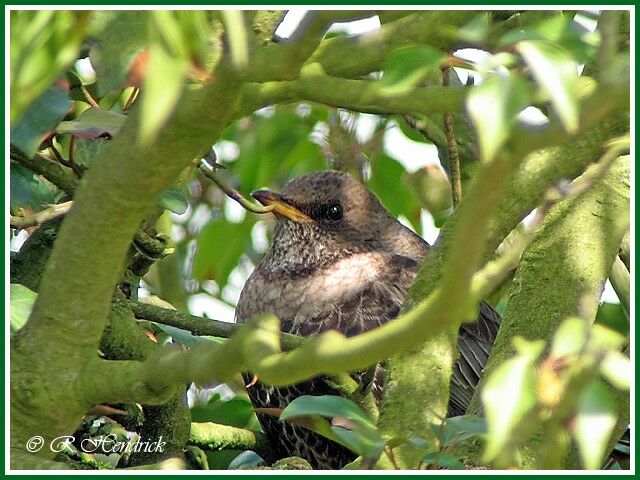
x=594, y=423
x=122, y=37
x=493, y=106
x=557, y=74
x=28, y=190
x=387, y=182
x=612, y=315
x=86, y=151
x=236, y=412
x=443, y=460
x=39, y=119
x=220, y=246
x=406, y=67
x=366, y=442
x=21, y=303
x=461, y=428
x=247, y=459
x=42, y=44
x=163, y=85
x=93, y=123
x=328, y=406
x=509, y=396
x=174, y=200
x=616, y=368
x=476, y=30
x=570, y=338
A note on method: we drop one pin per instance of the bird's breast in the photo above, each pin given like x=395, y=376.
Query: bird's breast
x=300, y=299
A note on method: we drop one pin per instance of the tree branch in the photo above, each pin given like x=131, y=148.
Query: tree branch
x=60, y=176
x=50, y=213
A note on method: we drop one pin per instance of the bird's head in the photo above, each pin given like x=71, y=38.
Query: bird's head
x=331, y=203
x=330, y=213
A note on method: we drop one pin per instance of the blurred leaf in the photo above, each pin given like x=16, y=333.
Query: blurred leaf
x=406, y=67
x=220, y=246
x=594, y=423
x=237, y=412
x=40, y=118
x=247, y=459
x=570, y=338
x=21, y=303
x=163, y=85
x=616, y=368
x=612, y=315
x=28, y=190
x=174, y=200
x=493, y=106
x=93, y=123
x=236, y=29
x=328, y=406
x=122, y=37
x=386, y=182
x=476, y=30
x=443, y=460
x=431, y=188
x=557, y=74
x=42, y=44
x=509, y=396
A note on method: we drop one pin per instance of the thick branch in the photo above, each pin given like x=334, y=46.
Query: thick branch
x=213, y=436
x=61, y=177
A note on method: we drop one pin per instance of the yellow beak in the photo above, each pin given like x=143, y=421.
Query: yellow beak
x=279, y=206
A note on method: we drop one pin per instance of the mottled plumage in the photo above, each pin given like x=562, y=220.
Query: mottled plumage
x=340, y=261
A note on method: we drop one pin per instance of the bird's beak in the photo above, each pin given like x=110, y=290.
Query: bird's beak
x=279, y=206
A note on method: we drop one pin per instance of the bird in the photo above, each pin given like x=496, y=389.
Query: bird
x=340, y=261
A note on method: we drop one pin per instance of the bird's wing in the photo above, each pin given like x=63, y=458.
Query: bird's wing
x=475, y=341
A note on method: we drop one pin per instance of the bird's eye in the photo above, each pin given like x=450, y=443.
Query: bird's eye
x=334, y=212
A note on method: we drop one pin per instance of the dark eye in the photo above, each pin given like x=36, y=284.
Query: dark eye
x=333, y=212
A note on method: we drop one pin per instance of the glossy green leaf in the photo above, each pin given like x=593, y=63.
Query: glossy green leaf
x=493, y=106
x=406, y=67
x=21, y=302
x=123, y=35
x=40, y=119
x=557, y=74
x=220, y=246
x=594, y=422
x=443, y=460
x=366, y=442
x=93, y=123
x=28, y=190
x=236, y=412
x=174, y=200
x=328, y=406
x=509, y=396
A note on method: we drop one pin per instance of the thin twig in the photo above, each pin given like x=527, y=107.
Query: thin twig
x=77, y=169
x=88, y=96
x=453, y=158
x=50, y=213
x=232, y=193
